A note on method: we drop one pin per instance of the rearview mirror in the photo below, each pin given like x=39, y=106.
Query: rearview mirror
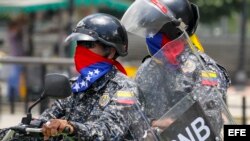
x=57, y=86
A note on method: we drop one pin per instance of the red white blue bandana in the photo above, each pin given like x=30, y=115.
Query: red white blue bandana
x=91, y=66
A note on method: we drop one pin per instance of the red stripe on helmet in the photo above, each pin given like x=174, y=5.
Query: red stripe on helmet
x=160, y=6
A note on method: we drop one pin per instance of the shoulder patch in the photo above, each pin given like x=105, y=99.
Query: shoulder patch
x=209, y=78
x=104, y=100
x=189, y=66
x=125, y=97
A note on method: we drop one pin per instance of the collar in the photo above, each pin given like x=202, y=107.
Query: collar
x=101, y=83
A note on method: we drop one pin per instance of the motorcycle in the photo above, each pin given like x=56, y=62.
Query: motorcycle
x=57, y=86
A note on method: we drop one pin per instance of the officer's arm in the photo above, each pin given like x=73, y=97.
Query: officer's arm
x=56, y=110
x=111, y=124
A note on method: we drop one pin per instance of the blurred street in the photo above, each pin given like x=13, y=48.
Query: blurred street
x=235, y=98
x=7, y=119
x=234, y=101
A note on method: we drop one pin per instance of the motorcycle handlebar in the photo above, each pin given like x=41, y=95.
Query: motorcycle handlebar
x=26, y=129
x=34, y=130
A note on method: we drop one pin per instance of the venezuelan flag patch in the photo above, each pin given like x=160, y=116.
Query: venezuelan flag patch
x=125, y=97
x=209, y=78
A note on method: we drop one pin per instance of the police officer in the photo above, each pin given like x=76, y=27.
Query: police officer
x=103, y=100
x=104, y=103
x=151, y=20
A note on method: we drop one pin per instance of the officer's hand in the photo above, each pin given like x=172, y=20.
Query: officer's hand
x=54, y=127
x=162, y=123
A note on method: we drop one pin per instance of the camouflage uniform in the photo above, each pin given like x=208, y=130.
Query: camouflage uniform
x=95, y=117
x=162, y=87
x=96, y=120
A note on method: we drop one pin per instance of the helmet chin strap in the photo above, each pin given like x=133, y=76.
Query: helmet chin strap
x=182, y=26
x=194, y=39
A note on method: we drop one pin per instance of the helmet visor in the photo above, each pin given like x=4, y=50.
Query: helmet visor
x=79, y=37
x=82, y=34
x=146, y=17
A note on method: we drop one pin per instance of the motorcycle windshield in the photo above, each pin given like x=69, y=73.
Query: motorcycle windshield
x=181, y=94
x=146, y=17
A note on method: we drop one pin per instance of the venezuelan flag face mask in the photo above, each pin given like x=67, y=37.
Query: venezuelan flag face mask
x=91, y=67
x=158, y=41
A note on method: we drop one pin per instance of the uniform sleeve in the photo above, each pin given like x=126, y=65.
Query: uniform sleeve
x=57, y=109
x=3, y=133
x=117, y=120
x=212, y=102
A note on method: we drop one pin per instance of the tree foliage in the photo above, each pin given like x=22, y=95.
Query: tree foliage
x=212, y=10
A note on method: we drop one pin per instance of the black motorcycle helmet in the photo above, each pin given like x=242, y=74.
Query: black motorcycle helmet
x=184, y=10
x=102, y=28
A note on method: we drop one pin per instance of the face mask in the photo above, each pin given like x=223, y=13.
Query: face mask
x=91, y=66
x=156, y=42
x=171, y=51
